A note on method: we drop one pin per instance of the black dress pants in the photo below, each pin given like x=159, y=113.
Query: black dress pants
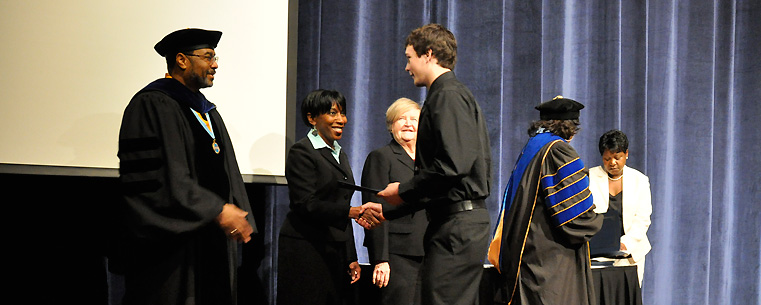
x=455, y=250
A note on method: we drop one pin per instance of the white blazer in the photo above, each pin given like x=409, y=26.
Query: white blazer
x=636, y=212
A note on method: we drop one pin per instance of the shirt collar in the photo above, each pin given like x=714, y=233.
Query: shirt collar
x=439, y=81
x=318, y=142
x=177, y=91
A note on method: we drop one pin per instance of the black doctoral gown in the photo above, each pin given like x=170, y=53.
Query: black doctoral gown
x=541, y=242
x=174, y=185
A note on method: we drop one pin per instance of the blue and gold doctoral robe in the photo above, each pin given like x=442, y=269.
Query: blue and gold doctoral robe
x=540, y=243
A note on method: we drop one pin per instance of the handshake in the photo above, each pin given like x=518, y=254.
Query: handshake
x=369, y=215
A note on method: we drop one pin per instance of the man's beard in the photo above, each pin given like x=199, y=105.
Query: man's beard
x=202, y=80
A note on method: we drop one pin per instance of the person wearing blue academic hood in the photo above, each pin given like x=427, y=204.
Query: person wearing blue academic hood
x=546, y=219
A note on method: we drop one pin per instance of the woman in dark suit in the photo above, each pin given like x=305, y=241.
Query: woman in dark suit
x=395, y=248
x=317, y=261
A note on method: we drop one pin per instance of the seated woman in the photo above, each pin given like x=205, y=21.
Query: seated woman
x=396, y=247
x=317, y=261
x=627, y=196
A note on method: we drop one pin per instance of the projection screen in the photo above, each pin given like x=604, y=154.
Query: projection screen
x=71, y=67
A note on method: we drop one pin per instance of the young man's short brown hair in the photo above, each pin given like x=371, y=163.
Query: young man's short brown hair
x=438, y=39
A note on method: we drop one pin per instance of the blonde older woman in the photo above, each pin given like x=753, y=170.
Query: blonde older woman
x=623, y=192
x=395, y=248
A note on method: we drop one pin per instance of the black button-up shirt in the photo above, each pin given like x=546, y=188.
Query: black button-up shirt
x=453, y=160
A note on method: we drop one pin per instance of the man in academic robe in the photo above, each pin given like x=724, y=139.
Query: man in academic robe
x=540, y=245
x=185, y=208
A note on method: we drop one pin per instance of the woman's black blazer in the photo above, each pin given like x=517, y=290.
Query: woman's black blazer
x=319, y=209
x=403, y=235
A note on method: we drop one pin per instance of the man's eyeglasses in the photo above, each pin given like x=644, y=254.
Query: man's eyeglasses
x=208, y=58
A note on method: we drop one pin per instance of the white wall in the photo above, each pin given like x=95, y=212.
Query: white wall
x=68, y=69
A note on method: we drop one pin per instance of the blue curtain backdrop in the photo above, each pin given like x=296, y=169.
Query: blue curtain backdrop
x=681, y=78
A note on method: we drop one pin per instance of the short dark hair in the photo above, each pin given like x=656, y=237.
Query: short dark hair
x=438, y=39
x=171, y=62
x=614, y=141
x=566, y=129
x=319, y=102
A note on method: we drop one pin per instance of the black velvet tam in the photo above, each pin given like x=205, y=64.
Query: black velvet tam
x=559, y=108
x=187, y=40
